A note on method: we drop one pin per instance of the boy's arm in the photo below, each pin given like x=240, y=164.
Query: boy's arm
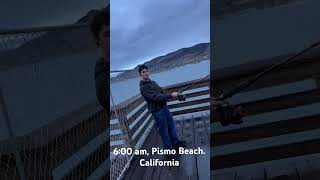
x=149, y=93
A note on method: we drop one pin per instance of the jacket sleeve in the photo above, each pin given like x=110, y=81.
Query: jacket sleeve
x=101, y=83
x=149, y=93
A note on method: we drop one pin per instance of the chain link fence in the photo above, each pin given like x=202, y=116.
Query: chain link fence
x=52, y=126
x=119, y=139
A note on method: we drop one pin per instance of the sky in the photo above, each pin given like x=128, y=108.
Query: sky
x=145, y=29
x=31, y=13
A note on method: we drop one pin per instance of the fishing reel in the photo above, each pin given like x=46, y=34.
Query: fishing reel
x=182, y=97
x=228, y=114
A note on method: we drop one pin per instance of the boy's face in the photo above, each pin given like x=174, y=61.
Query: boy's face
x=104, y=41
x=144, y=74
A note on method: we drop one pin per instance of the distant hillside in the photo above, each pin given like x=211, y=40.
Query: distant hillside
x=195, y=54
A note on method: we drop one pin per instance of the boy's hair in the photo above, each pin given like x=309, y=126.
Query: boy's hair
x=142, y=67
x=101, y=17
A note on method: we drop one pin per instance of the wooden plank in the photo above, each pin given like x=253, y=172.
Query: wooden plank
x=266, y=154
x=156, y=174
x=184, y=168
x=203, y=160
x=192, y=142
x=228, y=77
x=174, y=172
x=314, y=165
x=137, y=114
x=188, y=103
x=251, y=173
x=206, y=124
x=136, y=126
x=135, y=103
x=135, y=170
x=154, y=141
x=281, y=172
x=266, y=130
x=191, y=110
x=166, y=173
x=135, y=141
x=224, y=176
x=258, y=170
x=282, y=102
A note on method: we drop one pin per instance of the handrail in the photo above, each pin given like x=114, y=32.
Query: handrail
x=227, y=77
x=223, y=8
x=285, y=116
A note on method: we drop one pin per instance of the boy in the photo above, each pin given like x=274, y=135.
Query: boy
x=156, y=99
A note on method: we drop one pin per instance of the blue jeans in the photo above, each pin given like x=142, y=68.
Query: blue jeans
x=167, y=129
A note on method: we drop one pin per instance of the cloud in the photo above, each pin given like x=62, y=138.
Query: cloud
x=141, y=31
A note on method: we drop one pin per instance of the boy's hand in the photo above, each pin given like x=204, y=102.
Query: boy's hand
x=174, y=94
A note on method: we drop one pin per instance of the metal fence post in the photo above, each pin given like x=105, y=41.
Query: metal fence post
x=11, y=137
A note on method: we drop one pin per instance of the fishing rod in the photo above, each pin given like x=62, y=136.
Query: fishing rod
x=194, y=83
x=183, y=97
x=230, y=114
x=233, y=115
x=243, y=85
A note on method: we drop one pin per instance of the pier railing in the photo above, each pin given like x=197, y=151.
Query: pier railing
x=222, y=8
x=282, y=126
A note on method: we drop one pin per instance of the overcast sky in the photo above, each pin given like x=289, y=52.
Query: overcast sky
x=144, y=29
x=19, y=13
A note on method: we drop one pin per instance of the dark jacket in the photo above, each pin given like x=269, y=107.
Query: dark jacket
x=102, y=82
x=154, y=95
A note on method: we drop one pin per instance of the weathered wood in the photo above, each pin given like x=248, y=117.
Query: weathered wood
x=156, y=174
x=266, y=130
x=228, y=77
x=189, y=103
x=282, y=102
x=135, y=103
x=137, y=138
x=137, y=114
x=139, y=123
x=265, y=154
x=280, y=172
x=191, y=110
x=135, y=171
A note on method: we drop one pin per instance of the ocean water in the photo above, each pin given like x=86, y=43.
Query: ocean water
x=125, y=89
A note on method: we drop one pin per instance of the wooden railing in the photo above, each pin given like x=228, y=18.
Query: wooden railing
x=221, y=8
x=281, y=126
